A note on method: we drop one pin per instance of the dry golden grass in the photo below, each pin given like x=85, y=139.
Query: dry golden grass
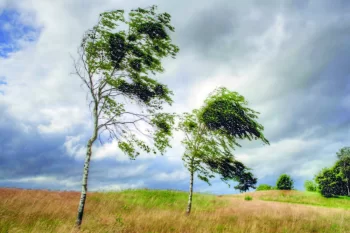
x=161, y=211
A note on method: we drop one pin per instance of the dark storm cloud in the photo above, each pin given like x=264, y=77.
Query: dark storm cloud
x=221, y=31
x=29, y=153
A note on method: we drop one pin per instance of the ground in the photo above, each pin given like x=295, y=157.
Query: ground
x=158, y=211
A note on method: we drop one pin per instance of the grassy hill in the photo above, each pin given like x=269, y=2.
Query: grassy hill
x=156, y=211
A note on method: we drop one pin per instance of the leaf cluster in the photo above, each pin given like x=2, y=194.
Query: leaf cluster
x=226, y=111
x=310, y=186
x=284, y=182
x=246, y=181
x=335, y=181
x=330, y=183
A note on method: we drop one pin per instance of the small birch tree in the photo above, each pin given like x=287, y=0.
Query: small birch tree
x=210, y=136
x=118, y=59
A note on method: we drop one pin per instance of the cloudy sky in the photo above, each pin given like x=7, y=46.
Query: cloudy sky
x=290, y=59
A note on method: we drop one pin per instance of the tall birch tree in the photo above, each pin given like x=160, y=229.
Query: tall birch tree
x=211, y=134
x=118, y=61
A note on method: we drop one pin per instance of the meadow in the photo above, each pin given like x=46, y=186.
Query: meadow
x=158, y=211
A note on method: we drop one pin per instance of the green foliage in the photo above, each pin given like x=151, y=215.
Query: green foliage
x=284, y=182
x=335, y=181
x=307, y=198
x=160, y=199
x=246, y=181
x=310, y=186
x=342, y=166
x=330, y=183
x=248, y=198
x=263, y=187
x=226, y=112
x=118, y=65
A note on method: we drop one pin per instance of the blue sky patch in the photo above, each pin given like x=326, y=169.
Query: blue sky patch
x=13, y=31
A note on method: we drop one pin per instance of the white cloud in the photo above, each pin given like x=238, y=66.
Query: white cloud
x=68, y=183
x=111, y=150
x=61, y=119
x=172, y=176
x=118, y=187
x=73, y=148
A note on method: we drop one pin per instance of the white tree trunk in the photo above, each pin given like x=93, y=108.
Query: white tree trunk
x=189, y=205
x=86, y=170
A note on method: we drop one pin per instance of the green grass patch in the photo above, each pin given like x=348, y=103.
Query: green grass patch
x=309, y=198
x=161, y=199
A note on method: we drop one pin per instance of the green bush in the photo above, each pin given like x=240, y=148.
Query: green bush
x=310, y=186
x=263, y=187
x=284, y=182
x=248, y=198
x=330, y=184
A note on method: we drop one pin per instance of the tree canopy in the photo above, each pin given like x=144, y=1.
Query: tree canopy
x=329, y=183
x=335, y=180
x=118, y=68
x=246, y=182
x=285, y=182
x=226, y=112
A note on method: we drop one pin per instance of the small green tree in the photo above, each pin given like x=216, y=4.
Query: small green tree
x=310, y=186
x=284, y=182
x=116, y=65
x=210, y=135
x=263, y=187
x=330, y=182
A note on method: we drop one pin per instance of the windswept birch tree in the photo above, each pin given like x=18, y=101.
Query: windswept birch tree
x=118, y=59
x=211, y=134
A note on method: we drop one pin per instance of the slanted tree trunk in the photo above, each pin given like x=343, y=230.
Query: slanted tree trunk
x=189, y=205
x=86, y=170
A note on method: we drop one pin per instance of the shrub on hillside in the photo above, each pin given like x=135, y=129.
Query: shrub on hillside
x=248, y=198
x=310, y=186
x=263, y=187
x=330, y=183
x=284, y=182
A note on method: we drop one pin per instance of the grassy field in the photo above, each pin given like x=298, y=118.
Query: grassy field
x=153, y=211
